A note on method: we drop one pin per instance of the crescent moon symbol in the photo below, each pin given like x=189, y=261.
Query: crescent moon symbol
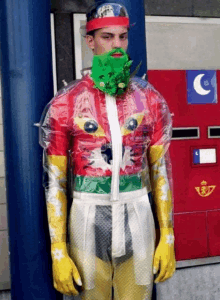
x=197, y=86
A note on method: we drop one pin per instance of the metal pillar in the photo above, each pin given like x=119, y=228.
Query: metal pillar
x=137, y=35
x=26, y=69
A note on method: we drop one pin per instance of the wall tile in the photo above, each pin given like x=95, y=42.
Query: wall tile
x=2, y=191
x=1, y=138
x=4, y=262
x=2, y=164
x=3, y=217
x=0, y=110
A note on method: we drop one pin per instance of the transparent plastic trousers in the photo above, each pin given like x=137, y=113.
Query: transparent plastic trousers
x=130, y=218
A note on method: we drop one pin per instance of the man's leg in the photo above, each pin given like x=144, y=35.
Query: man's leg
x=103, y=283
x=125, y=287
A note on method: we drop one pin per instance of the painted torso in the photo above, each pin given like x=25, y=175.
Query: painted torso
x=81, y=115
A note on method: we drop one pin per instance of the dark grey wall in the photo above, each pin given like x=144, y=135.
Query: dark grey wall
x=76, y=6
x=188, y=8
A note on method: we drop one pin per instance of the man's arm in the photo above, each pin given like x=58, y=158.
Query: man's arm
x=161, y=180
x=54, y=139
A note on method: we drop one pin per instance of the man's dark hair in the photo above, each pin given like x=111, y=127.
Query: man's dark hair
x=92, y=33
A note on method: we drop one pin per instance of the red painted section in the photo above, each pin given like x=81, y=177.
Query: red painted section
x=192, y=211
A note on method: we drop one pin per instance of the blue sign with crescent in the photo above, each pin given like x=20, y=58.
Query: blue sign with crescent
x=201, y=86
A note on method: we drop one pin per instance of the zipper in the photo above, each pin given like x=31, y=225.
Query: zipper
x=116, y=139
x=118, y=233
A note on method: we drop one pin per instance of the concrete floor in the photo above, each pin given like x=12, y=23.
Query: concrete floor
x=194, y=283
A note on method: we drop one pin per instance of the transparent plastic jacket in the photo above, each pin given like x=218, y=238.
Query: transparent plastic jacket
x=118, y=150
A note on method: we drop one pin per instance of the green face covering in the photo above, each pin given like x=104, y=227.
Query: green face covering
x=111, y=74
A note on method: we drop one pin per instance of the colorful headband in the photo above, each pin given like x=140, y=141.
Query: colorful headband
x=105, y=15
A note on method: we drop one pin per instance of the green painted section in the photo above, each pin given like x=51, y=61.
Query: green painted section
x=102, y=185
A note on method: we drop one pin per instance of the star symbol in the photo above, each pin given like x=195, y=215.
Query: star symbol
x=52, y=232
x=170, y=239
x=51, y=198
x=58, y=254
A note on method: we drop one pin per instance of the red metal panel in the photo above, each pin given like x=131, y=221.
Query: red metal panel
x=190, y=236
x=196, y=187
x=214, y=232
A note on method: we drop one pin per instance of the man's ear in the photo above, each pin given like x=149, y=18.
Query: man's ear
x=90, y=41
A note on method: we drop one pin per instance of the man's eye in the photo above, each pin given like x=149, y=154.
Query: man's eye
x=106, y=37
x=124, y=37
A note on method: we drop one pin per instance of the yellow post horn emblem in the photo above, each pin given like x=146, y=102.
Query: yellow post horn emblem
x=205, y=190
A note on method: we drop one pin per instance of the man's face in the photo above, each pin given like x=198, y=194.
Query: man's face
x=106, y=39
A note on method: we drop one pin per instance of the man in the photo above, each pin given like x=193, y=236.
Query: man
x=116, y=133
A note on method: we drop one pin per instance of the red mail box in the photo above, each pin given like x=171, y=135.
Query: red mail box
x=195, y=154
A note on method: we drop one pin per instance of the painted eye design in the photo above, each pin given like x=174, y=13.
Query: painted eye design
x=90, y=126
x=132, y=123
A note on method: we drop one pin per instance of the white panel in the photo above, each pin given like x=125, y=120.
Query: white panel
x=207, y=156
x=182, y=43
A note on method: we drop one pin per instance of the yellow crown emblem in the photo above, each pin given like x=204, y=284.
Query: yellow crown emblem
x=204, y=182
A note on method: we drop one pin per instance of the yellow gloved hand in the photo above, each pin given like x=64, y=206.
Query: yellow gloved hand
x=64, y=270
x=164, y=257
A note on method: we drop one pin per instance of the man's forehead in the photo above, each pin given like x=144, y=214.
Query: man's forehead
x=114, y=30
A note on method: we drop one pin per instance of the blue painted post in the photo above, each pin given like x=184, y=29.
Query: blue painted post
x=26, y=69
x=137, y=35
